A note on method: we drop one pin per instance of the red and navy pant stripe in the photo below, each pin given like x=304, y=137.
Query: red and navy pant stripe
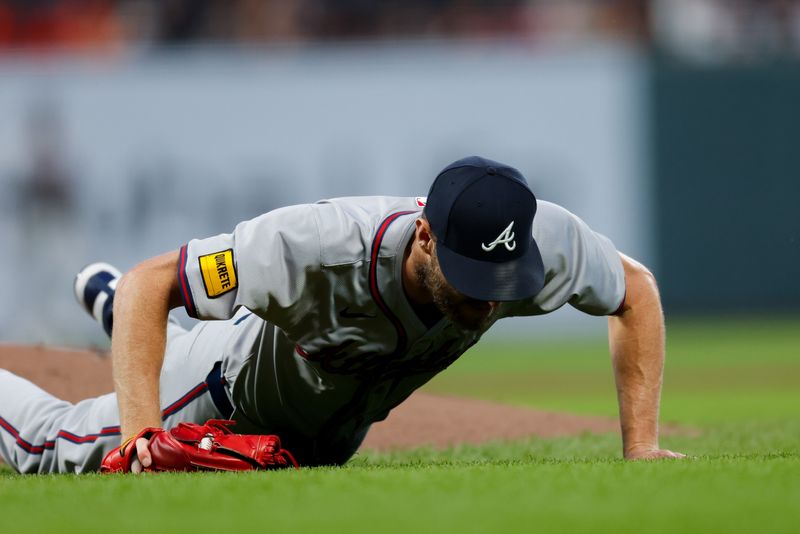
x=214, y=383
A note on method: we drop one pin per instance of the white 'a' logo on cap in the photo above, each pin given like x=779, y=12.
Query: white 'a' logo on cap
x=505, y=238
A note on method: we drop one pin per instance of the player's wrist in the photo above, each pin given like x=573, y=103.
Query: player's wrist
x=133, y=427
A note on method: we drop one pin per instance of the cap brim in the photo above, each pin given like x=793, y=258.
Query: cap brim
x=489, y=281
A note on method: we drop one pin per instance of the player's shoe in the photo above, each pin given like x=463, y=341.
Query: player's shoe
x=94, y=287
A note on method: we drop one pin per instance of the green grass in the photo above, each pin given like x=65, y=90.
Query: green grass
x=478, y=492
x=735, y=383
x=716, y=373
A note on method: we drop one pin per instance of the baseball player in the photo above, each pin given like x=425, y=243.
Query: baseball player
x=318, y=319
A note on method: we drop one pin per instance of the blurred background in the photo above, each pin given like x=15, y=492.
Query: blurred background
x=128, y=127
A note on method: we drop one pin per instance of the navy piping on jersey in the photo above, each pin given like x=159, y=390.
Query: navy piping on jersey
x=183, y=283
x=402, y=337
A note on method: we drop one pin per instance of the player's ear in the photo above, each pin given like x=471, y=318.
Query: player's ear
x=423, y=237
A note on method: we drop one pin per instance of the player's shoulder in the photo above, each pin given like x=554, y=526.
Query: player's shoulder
x=560, y=233
x=546, y=209
x=552, y=220
x=348, y=225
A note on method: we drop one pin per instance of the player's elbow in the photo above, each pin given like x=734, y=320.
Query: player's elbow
x=130, y=282
x=153, y=280
x=123, y=287
x=644, y=276
x=640, y=283
x=128, y=286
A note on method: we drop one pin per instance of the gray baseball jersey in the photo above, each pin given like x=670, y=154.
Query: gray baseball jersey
x=338, y=344
x=315, y=338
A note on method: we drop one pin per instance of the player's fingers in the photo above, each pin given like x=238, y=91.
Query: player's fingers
x=663, y=453
x=143, y=453
x=654, y=455
x=136, y=466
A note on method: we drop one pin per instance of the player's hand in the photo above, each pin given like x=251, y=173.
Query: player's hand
x=143, y=458
x=652, y=454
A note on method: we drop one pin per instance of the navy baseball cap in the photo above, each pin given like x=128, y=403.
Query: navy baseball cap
x=481, y=214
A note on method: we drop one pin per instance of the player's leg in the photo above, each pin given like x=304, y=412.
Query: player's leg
x=40, y=433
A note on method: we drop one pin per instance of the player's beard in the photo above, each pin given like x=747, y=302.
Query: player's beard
x=465, y=312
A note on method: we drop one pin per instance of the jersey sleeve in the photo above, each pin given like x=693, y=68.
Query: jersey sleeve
x=266, y=265
x=582, y=267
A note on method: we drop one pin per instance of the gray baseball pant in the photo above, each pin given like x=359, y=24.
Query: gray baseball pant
x=42, y=434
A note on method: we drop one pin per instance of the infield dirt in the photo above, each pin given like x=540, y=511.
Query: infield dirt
x=423, y=420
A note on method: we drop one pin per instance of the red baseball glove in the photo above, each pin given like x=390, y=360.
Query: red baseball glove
x=209, y=447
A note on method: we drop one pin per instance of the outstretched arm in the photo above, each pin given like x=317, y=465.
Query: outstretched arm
x=636, y=340
x=143, y=299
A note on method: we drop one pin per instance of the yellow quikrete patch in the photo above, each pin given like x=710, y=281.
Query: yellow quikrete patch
x=219, y=273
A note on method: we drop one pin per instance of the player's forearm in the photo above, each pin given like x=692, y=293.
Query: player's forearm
x=636, y=338
x=143, y=299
